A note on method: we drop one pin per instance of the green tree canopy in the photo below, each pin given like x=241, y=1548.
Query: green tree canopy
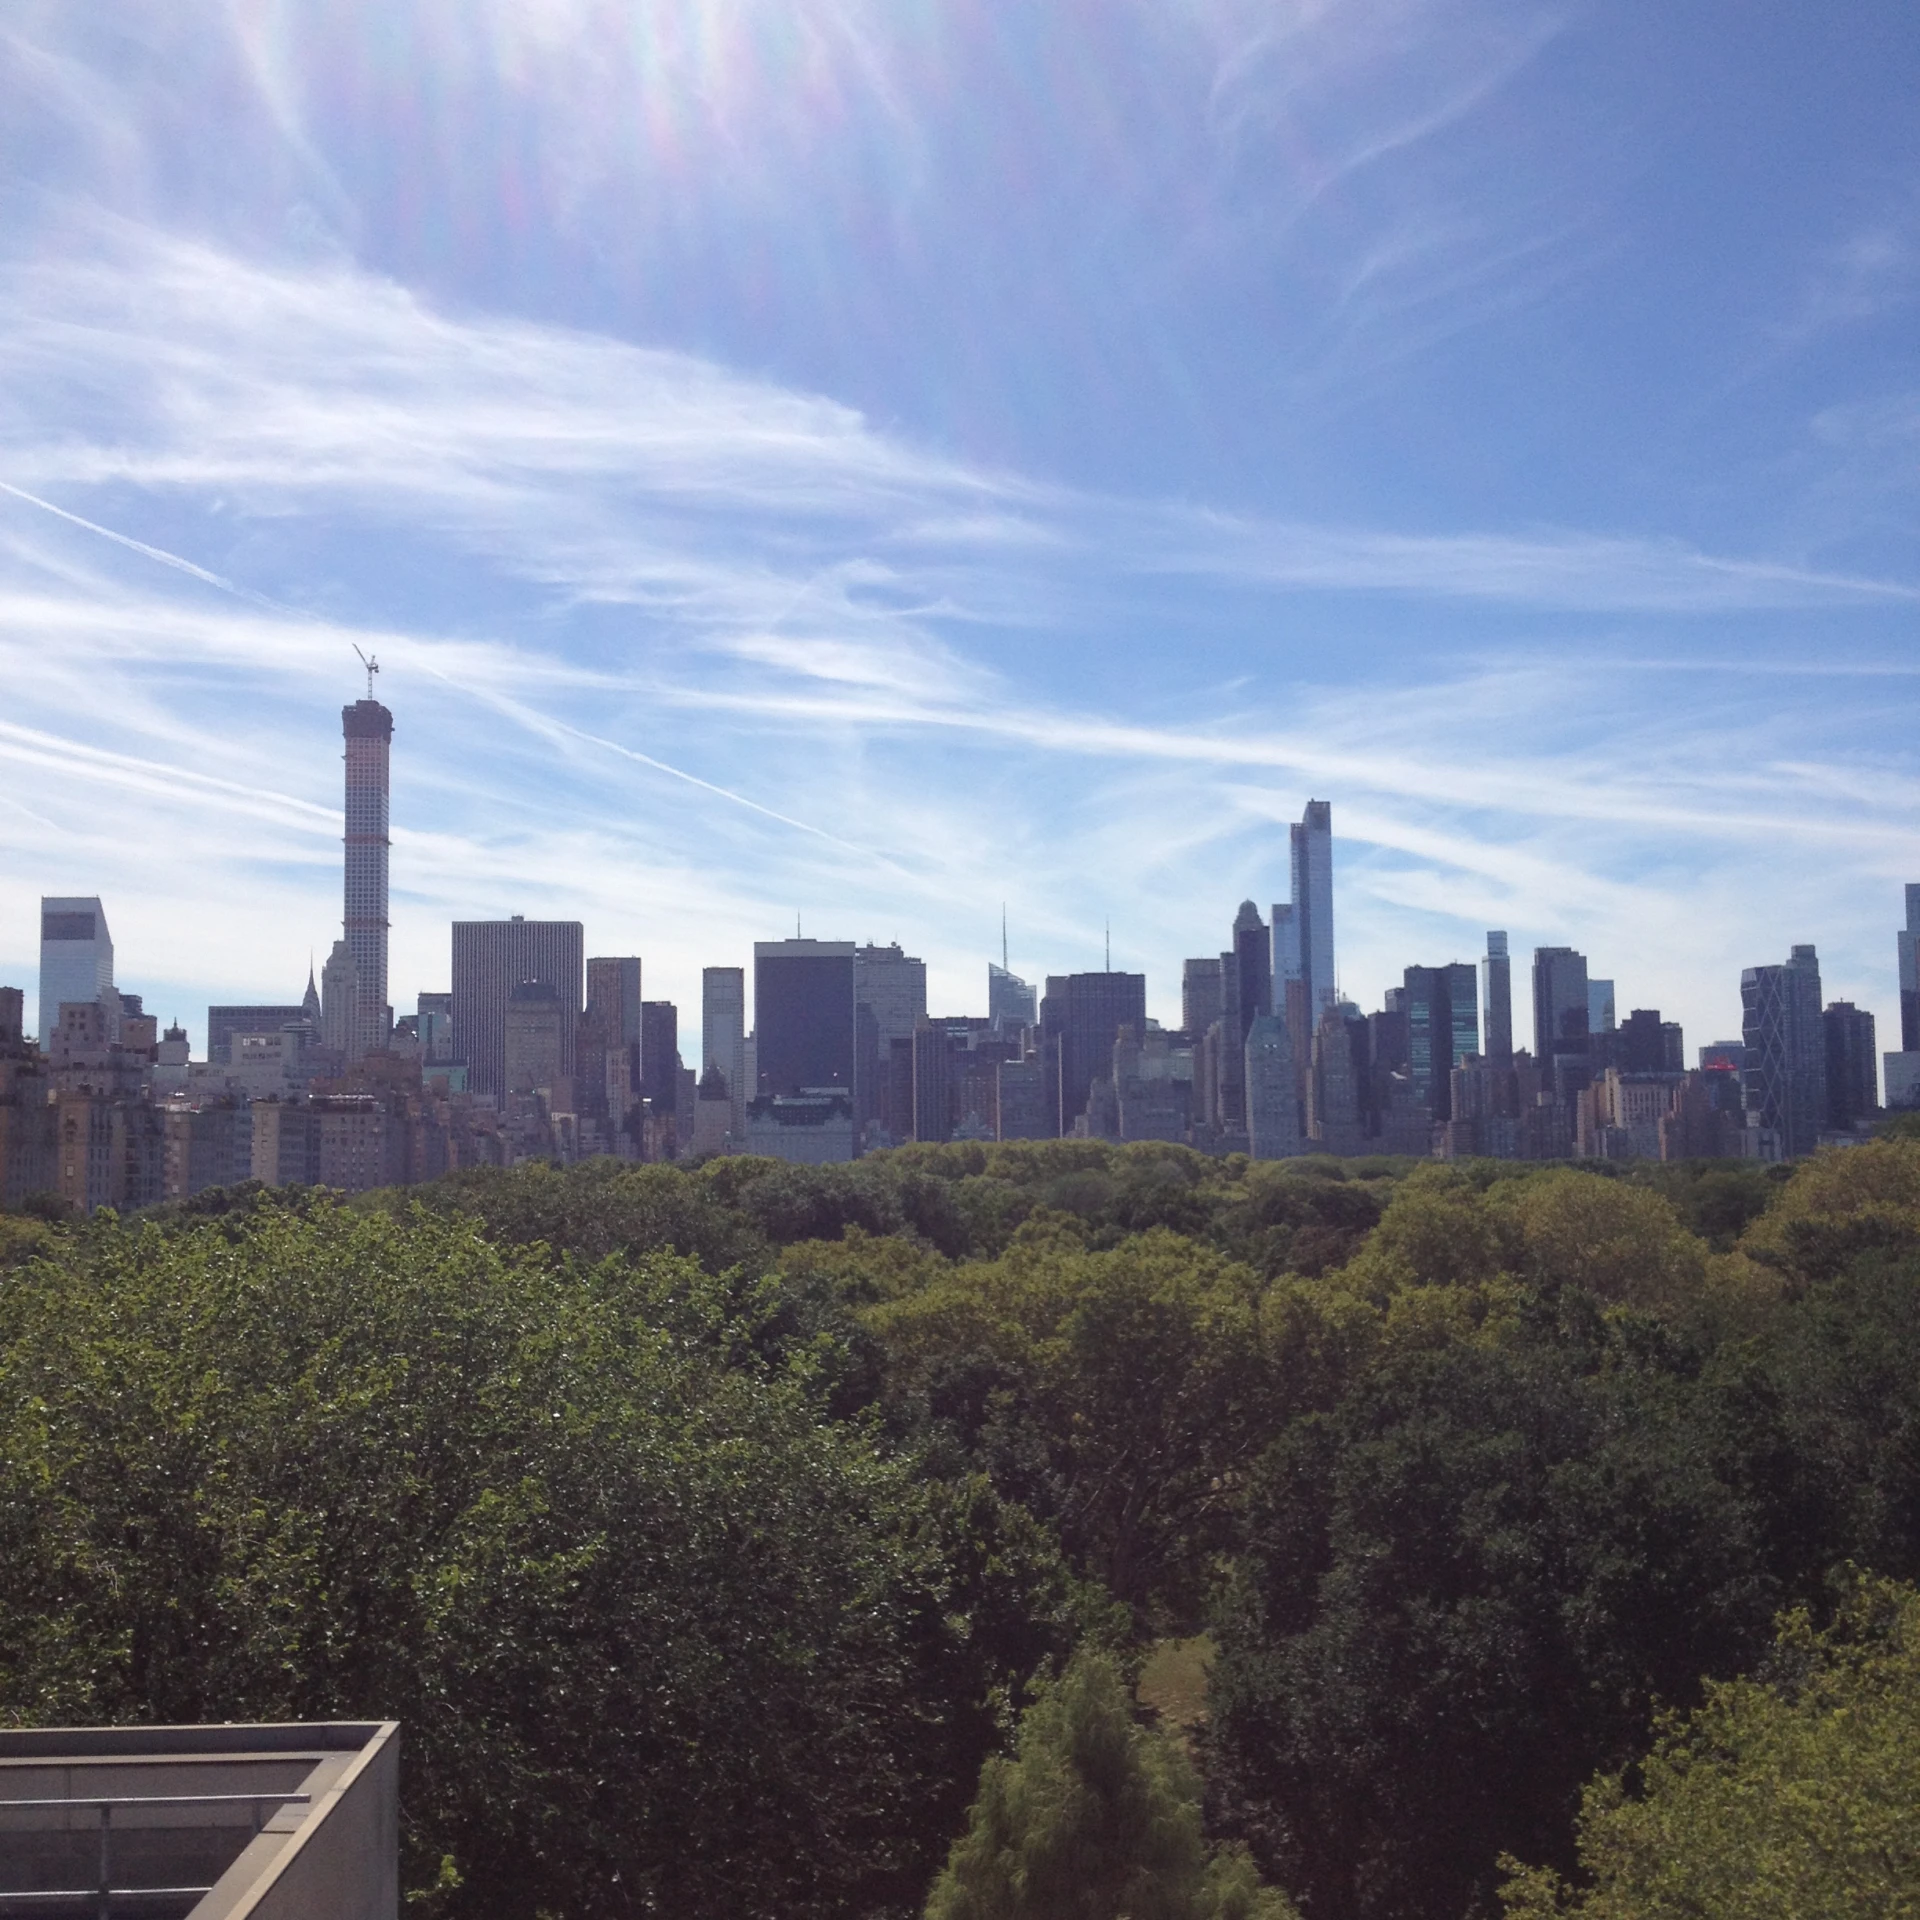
x=1093, y=1818
x=1791, y=1795
x=663, y=1635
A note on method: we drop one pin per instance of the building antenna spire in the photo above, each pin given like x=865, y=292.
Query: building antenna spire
x=1004, y=968
x=372, y=666
x=1109, y=946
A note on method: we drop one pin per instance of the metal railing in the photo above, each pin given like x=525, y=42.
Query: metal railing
x=105, y=1893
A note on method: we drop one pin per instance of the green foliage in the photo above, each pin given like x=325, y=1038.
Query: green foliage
x=1790, y=1795
x=663, y=1636
x=706, y=1526
x=1093, y=1818
x=1837, y=1206
x=1117, y=1393
x=603, y=1207
x=1458, y=1593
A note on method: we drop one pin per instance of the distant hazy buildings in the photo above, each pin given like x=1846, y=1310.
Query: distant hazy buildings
x=1202, y=997
x=76, y=957
x=223, y=1023
x=536, y=1052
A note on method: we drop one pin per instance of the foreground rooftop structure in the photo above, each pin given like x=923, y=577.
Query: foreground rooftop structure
x=287, y=1822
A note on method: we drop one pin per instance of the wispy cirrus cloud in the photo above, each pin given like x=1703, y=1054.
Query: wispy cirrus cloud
x=681, y=651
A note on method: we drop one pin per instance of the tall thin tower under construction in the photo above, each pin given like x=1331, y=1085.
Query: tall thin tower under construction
x=368, y=727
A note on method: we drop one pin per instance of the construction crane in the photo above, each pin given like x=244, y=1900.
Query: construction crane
x=372, y=666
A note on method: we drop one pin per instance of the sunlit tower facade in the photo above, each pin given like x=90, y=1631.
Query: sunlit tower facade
x=368, y=727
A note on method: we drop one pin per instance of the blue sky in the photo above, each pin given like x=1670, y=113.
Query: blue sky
x=873, y=459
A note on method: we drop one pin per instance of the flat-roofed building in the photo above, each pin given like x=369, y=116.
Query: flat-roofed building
x=803, y=1001
x=490, y=959
x=814, y=1127
x=279, y=1822
x=76, y=956
x=225, y=1023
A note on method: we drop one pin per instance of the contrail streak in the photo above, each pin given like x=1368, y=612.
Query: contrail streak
x=160, y=554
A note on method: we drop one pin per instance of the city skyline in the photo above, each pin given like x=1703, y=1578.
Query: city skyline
x=1498, y=419
x=1305, y=872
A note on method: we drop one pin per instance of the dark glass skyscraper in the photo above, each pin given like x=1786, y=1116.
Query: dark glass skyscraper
x=1560, y=1012
x=803, y=999
x=1443, y=1027
x=1853, y=1080
x=1081, y=1016
x=659, y=1078
x=368, y=728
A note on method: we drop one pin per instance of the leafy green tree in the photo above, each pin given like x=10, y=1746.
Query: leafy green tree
x=1618, y=1243
x=663, y=1635
x=1458, y=1593
x=1116, y=1392
x=1837, y=1206
x=1782, y=1797
x=1093, y=1818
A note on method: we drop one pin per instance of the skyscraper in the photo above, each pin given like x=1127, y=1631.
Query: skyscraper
x=1560, y=1019
x=368, y=728
x=1273, y=1090
x=660, y=1055
x=490, y=959
x=1443, y=1028
x=1303, y=937
x=1252, y=966
x=1784, y=1072
x=1909, y=946
x=1496, y=999
x=723, y=1038
x=76, y=957
x=890, y=1000
x=1600, y=1014
x=1853, y=1086
x=803, y=999
x=340, y=1001
x=613, y=998
x=1011, y=1002
x=1644, y=1043
x=1903, y=1068
x=1201, y=996
x=535, y=1021
x=606, y=1053
x=1080, y=1019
